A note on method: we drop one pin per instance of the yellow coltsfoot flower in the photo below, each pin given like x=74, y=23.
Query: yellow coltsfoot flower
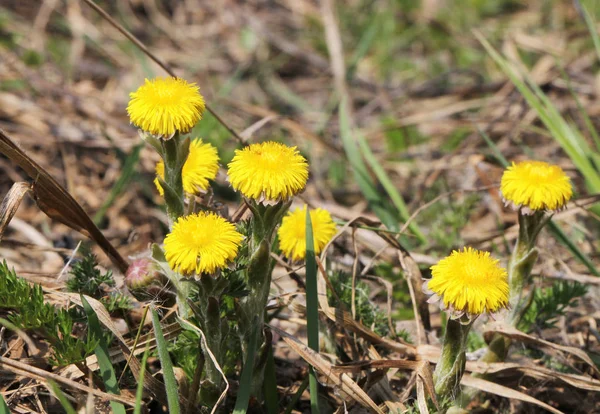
x=535, y=186
x=468, y=282
x=202, y=165
x=292, y=233
x=268, y=171
x=163, y=106
x=202, y=243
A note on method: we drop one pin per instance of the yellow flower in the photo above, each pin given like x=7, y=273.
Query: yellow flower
x=469, y=282
x=268, y=171
x=164, y=105
x=535, y=185
x=201, y=243
x=292, y=233
x=202, y=164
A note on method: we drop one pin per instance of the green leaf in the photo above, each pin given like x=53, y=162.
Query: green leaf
x=62, y=398
x=167, y=366
x=243, y=397
x=106, y=369
x=312, y=309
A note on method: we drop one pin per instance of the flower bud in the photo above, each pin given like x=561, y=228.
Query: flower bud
x=146, y=281
x=141, y=273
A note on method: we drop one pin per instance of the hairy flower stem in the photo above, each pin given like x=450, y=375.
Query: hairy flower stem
x=521, y=263
x=211, y=324
x=451, y=365
x=174, y=152
x=258, y=277
x=183, y=289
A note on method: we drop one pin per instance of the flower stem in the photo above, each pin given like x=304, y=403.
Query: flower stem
x=174, y=153
x=521, y=263
x=183, y=289
x=451, y=365
x=252, y=307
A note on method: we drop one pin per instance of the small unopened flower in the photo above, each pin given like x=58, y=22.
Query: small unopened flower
x=469, y=282
x=164, y=105
x=292, y=233
x=142, y=272
x=201, y=243
x=268, y=171
x=535, y=186
x=202, y=165
x=146, y=281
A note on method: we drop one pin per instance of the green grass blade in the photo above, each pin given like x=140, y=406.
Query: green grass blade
x=3, y=407
x=562, y=237
x=389, y=187
x=62, y=398
x=361, y=173
x=140, y=388
x=363, y=46
x=280, y=89
x=586, y=118
x=297, y=396
x=167, y=366
x=271, y=397
x=127, y=172
x=591, y=25
x=497, y=153
x=106, y=369
x=312, y=309
x=569, y=138
x=243, y=397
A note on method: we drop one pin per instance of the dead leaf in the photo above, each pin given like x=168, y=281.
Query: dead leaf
x=341, y=380
x=491, y=387
x=57, y=203
x=513, y=333
x=11, y=204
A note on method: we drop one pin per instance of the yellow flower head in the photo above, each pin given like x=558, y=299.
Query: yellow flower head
x=201, y=243
x=164, y=105
x=292, y=233
x=202, y=164
x=469, y=282
x=268, y=171
x=535, y=185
